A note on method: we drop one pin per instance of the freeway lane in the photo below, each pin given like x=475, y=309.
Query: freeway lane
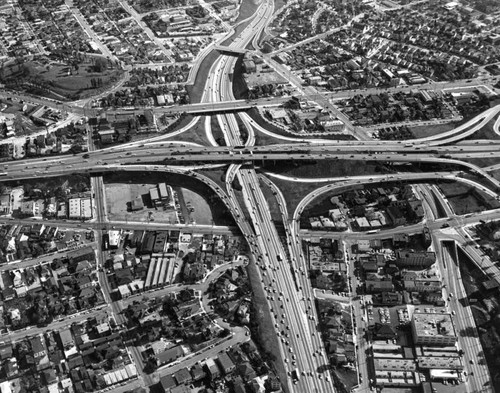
x=32, y=169
x=295, y=345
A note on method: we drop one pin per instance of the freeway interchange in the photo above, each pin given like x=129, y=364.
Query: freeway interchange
x=281, y=264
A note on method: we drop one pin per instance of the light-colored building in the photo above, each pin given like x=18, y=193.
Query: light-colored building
x=32, y=208
x=433, y=329
x=114, y=238
x=86, y=208
x=75, y=208
x=80, y=208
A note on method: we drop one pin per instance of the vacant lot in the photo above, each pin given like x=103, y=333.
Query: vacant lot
x=425, y=131
x=119, y=195
x=195, y=134
x=465, y=199
x=201, y=213
x=127, y=186
x=486, y=132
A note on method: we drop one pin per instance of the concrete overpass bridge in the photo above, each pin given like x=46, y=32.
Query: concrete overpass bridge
x=230, y=50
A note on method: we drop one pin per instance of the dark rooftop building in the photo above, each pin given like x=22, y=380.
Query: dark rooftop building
x=167, y=382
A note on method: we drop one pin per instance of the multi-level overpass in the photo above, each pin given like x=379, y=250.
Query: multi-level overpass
x=292, y=304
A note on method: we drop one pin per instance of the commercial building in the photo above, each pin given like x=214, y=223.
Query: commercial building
x=416, y=259
x=433, y=329
x=80, y=208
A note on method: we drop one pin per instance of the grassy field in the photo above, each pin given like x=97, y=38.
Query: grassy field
x=238, y=29
x=216, y=175
x=496, y=174
x=464, y=200
x=262, y=139
x=294, y=192
x=271, y=201
x=217, y=132
x=195, y=91
x=247, y=9
x=196, y=134
x=486, y=132
x=322, y=168
x=240, y=89
x=58, y=79
x=482, y=162
x=426, y=131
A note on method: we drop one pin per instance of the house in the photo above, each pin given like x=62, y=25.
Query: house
x=167, y=382
x=84, y=282
x=396, y=215
x=183, y=376
x=31, y=208
x=249, y=66
x=81, y=254
x=66, y=338
x=246, y=371
x=37, y=347
x=197, y=372
x=212, y=368
x=170, y=355
x=5, y=205
x=382, y=331
x=226, y=364
x=375, y=283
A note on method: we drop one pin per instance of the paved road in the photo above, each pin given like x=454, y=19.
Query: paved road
x=22, y=264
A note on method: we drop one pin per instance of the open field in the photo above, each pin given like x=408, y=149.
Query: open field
x=482, y=162
x=293, y=192
x=486, y=132
x=201, y=213
x=195, y=91
x=430, y=130
x=271, y=201
x=247, y=9
x=465, y=199
x=496, y=174
x=240, y=89
x=195, y=134
x=126, y=186
x=216, y=175
x=118, y=195
x=217, y=131
x=62, y=81
x=322, y=168
x=262, y=139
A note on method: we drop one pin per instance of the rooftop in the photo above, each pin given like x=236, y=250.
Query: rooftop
x=433, y=324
